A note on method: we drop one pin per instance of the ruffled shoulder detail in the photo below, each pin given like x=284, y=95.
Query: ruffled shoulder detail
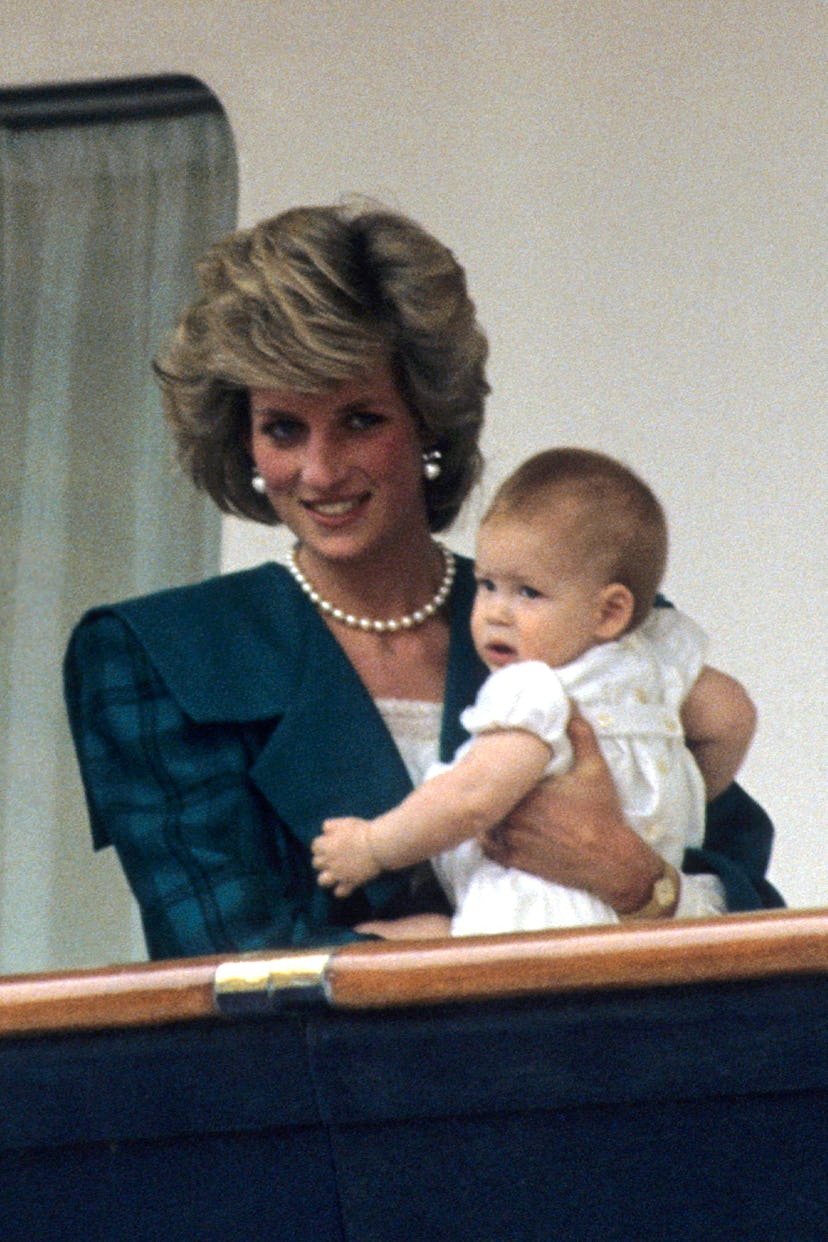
x=528, y=695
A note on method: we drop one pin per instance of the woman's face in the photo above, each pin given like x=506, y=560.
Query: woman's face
x=342, y=467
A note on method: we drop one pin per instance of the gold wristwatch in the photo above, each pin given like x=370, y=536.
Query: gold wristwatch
x=664, y=898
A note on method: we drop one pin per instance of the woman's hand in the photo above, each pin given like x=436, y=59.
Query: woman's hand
x=412, y=927
x=571, y=830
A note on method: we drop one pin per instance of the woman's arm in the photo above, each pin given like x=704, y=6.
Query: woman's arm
x=455, y=805
x=719, y=721
x=409, y=927
x=210, y=865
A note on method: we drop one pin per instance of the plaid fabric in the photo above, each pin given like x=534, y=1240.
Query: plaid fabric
x=209, y=863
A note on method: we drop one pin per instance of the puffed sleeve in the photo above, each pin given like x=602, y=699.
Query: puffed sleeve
x=528, y=695
x=208, y=863
x=681, y=645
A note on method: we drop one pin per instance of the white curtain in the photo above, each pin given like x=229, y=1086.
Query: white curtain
x=100, y=226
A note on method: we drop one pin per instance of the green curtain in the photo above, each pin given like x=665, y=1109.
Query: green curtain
x=100, y=227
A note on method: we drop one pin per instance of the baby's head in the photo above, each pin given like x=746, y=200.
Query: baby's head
x=573, y=548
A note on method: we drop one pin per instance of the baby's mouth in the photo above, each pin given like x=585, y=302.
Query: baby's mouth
x=500, y=653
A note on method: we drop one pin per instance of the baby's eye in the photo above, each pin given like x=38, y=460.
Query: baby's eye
x=485, y=584
x=529, y=592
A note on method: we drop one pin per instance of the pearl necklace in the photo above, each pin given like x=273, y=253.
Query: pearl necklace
x=408, y=622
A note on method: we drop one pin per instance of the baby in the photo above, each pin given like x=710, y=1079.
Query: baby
x=570, y=555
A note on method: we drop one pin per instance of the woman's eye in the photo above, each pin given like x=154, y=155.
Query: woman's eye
x=282, y=430
x=364, y=420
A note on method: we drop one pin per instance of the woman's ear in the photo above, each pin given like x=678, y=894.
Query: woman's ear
x=615, y=610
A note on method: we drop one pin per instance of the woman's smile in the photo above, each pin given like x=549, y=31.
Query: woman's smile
x=334, y=510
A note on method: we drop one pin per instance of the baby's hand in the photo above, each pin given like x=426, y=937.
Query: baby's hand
x=342, y=855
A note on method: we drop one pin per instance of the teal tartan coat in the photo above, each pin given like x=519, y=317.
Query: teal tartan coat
x=217, y=725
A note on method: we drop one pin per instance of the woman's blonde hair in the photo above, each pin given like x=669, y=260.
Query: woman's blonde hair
x=305, y=301
x=614, y=521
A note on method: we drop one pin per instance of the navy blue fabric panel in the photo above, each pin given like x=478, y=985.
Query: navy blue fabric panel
x=553, y=1052
x=143, y=1084
x=743, y=1169
x=251, y=1187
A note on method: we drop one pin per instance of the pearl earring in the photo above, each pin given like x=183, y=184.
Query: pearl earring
x=432, y=464
x=258, y=484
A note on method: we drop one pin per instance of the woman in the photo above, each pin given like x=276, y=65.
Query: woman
x=330, y=376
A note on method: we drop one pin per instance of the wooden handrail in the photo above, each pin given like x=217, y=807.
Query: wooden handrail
x=379, y=974
x=143, y=994
x=616, y=957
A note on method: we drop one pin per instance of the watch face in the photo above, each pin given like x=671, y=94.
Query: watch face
x=664, y=897
x=664, y=891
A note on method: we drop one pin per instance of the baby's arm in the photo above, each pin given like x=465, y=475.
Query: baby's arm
x=719, y=721
x=453, y=806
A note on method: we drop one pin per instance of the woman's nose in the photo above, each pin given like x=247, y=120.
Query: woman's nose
x=322, y=463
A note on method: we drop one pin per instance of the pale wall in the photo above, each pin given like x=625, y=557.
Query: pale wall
x=636, y=190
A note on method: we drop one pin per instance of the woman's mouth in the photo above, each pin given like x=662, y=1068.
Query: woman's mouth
x=335, y=510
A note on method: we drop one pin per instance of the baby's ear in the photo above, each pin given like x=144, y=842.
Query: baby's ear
x=615, y=610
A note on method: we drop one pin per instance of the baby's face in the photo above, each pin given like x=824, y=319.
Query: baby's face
x=532, y=601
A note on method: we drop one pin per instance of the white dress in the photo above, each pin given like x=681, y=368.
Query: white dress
x=631, y=692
